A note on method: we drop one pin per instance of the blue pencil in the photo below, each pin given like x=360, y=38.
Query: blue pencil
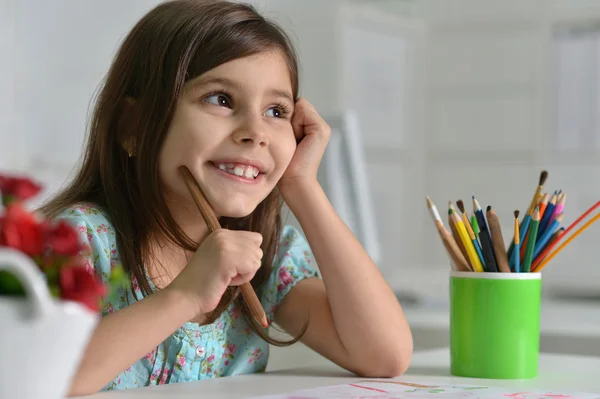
x=539, y=246
x=523, y=232
x=515, y=259
x=548, y=213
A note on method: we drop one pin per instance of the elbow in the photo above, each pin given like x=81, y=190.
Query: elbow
x=389, y=363
x=81, y=388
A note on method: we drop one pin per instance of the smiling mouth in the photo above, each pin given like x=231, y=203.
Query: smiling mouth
x=239, y=170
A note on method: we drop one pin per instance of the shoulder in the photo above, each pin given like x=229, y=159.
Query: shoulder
x=95, y=232
x=293, y=263
x=88, y=218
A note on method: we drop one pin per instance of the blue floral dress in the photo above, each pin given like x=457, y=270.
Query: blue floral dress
x=224, y=348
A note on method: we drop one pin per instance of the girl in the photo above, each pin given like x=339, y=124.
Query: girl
x=213, y=86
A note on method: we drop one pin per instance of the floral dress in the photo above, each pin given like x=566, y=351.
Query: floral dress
x=224, y=348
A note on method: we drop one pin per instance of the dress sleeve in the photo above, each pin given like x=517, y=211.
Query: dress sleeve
x=293, y=263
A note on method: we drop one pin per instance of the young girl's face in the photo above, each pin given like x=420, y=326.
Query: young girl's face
x=232, y=129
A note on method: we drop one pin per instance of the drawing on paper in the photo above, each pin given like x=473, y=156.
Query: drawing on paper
x=391, y=389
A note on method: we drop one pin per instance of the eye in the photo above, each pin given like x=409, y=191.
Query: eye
x=220, y=99
x=279, y=111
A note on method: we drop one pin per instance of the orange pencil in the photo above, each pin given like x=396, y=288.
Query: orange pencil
x=543, y=204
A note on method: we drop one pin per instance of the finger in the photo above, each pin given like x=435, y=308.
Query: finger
x=307, y=120
x=247, y=268
x=298, y=119
x=250, y=236
x=242, y=279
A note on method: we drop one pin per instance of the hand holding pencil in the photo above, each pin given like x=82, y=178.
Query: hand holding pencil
x=213, y=224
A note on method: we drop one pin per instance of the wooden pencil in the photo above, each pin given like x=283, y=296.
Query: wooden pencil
x=459, y=242
x=497, y=241
x=456, y=256
x=538, y=192
x=213, y=224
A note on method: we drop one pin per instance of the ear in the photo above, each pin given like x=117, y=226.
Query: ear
x=127, y=118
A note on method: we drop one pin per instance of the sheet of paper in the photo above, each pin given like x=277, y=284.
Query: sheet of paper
x=396, y=389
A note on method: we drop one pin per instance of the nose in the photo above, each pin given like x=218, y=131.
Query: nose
x=251, y=131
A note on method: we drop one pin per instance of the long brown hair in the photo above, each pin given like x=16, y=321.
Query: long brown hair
x=173, y=43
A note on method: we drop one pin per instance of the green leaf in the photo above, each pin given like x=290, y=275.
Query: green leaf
x=10, y=285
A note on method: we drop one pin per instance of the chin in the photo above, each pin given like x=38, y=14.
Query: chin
x=232, y=210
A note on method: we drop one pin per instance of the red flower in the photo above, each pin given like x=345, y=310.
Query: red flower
x=20, y=230
x=63, y=239
x=78, y=284
x=17, y=188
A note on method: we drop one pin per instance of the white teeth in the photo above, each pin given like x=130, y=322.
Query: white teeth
x=249, y=172
x=238, y=171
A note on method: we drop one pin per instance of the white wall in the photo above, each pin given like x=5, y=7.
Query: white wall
x=491, y=125
x=475, y=112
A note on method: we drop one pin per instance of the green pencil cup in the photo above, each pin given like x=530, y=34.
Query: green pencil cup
x=495, y=324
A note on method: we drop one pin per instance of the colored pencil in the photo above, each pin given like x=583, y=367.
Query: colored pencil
x=533, y=229
x=564, y=233
x=458, y=261
x=486, y=242
x=516, y=241
x=548, y=213
x=524, y=226
x=543, y=264
x=543, y=204
x=464, y=236
x=475, y=225
x=459, y=242
x=539, y=245
x=465, y=219
x=497, y=241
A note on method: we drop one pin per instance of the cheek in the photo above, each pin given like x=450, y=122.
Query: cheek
x=285, y=151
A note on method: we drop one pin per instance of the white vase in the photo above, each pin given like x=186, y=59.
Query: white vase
x=41, y=339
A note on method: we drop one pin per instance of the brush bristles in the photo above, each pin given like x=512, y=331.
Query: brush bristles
x=543, y=177
x=516, y=214
x=460, y=205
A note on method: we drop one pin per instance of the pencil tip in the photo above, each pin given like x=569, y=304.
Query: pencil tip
x=489, y=208
x=516, y=213
x=460, y=205
x=543, y=177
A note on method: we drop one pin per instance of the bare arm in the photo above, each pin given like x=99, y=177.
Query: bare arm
x=355, y=318
x=114, y=346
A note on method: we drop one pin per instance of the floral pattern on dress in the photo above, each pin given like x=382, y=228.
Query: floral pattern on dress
x=226, y=347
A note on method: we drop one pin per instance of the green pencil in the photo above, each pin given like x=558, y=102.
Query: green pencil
x=532, y=236
x=475, y=225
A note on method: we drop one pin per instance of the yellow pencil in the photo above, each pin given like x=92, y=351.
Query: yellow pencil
x=464, y=236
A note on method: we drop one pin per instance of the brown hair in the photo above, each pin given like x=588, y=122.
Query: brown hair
x=173, y=43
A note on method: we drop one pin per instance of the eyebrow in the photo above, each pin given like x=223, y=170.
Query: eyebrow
x=230, y=83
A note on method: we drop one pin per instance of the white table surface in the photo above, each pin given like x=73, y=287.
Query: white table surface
x=556, y=372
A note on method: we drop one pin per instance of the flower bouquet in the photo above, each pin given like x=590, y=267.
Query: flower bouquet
x=49, y=301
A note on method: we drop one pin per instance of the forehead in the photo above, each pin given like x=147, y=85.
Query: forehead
x=261, y=71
